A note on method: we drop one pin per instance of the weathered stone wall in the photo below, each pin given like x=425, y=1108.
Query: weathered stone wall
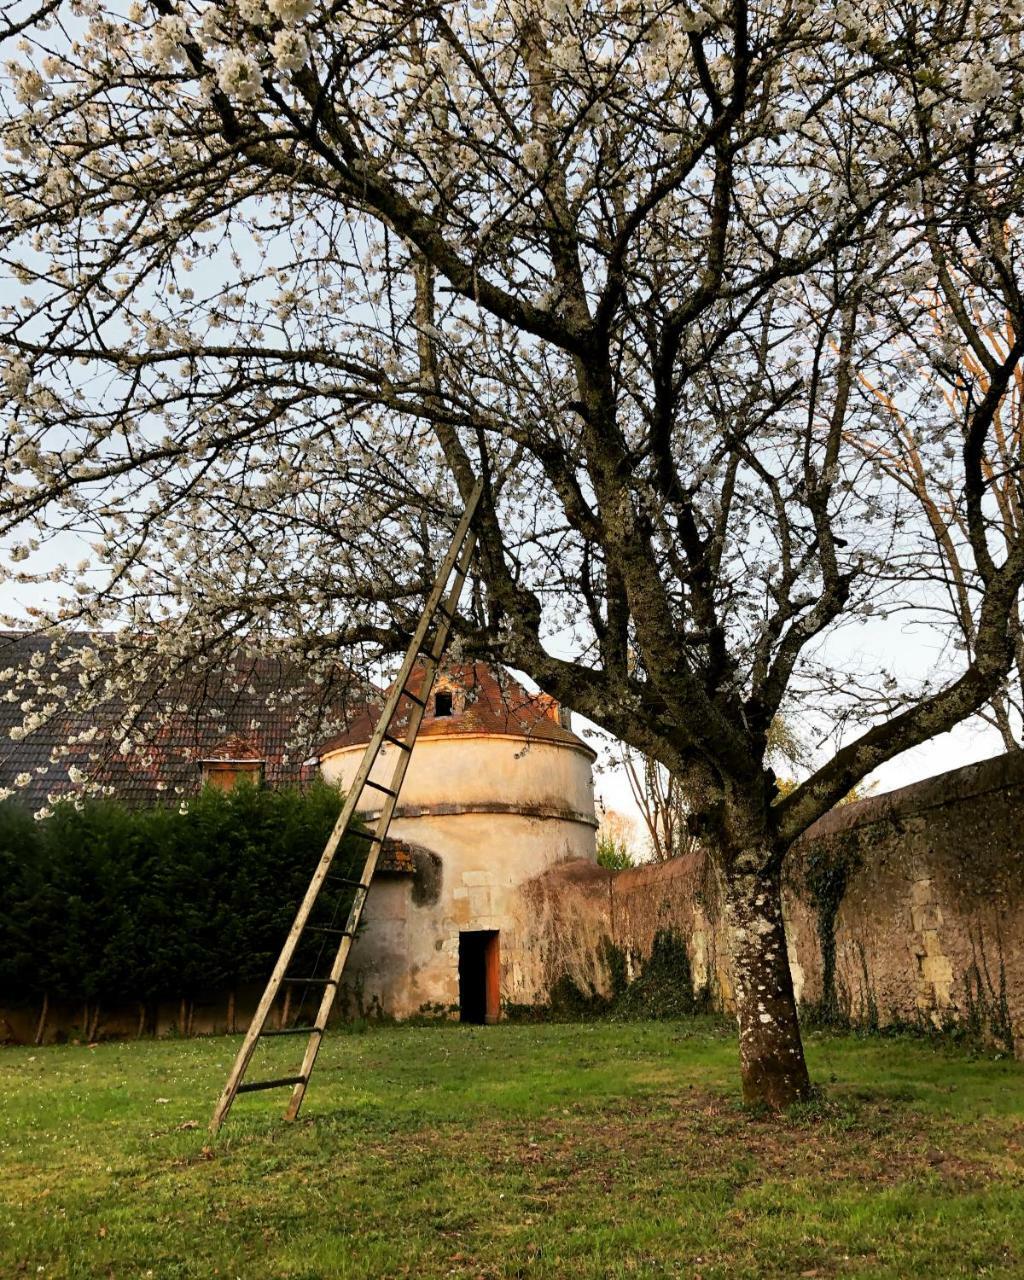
x=930, y=926
x=573, y=911
x=918, y=894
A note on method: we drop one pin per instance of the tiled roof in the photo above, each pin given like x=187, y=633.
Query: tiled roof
x=398, y=856
x=483, y=702
x=262, y=707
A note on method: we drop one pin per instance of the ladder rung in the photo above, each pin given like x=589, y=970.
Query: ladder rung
x=379, y=786
x=440, y=611
x=330, y=930
x=253, y=1086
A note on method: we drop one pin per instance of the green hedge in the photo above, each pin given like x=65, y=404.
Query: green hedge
x=100, y=903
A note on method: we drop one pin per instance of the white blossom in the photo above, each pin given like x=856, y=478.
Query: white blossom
x=979, y=81
x=291, y=11
x=239, y=76
x=16, y=377
x=167, y=37
x=29, y=85
x=534, y=155
x=289, y=50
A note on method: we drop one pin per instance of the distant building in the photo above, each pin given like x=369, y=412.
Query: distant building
x=261, y=718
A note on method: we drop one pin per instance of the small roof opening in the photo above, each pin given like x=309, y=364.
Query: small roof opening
x=442, y=704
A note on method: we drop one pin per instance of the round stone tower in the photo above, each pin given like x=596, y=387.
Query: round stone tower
x=498, y=790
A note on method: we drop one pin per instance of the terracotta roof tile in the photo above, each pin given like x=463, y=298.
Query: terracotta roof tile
x=266, y=708
x=484, y=701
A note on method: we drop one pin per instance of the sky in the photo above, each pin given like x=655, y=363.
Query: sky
x=911, y=653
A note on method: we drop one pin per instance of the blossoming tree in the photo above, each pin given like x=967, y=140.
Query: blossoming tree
x=286, y=277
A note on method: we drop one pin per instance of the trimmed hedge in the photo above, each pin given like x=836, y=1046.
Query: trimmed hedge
x=104, y=904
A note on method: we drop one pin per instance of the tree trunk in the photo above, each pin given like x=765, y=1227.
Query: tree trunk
x=43, y=1014
x=772, y=1063
x=231, y=1012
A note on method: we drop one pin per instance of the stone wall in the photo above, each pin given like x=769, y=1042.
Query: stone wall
x=903, y=908
x=571, y=912
x=930, y=927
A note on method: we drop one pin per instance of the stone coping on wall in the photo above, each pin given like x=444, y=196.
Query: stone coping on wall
x=1004, y=772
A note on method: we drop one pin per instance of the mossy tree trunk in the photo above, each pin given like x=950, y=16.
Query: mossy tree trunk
x=772, y=1066
x=741, y=841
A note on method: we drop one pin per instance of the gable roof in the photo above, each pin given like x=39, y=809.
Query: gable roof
x=261, y=707
x=486, y=702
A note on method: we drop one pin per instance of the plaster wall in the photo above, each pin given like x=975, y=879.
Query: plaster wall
x=482, y=772
x=485, y=815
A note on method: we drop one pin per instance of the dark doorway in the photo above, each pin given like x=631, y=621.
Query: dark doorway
x=479, y=991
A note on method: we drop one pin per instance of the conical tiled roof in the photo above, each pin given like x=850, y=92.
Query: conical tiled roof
x=483, y=702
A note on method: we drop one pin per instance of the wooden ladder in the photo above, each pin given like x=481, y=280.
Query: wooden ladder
x=442, y=603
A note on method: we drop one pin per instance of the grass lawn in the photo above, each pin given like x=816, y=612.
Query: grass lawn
x=591, y=1150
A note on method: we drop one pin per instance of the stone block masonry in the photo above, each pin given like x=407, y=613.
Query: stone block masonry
x=930, y=928
x=905, y=908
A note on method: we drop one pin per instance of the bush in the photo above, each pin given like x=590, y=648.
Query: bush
x=102, y=903
x=613, y=853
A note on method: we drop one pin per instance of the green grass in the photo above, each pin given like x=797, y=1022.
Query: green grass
x=593, y=1150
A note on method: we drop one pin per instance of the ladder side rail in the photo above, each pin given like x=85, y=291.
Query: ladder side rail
x=415, y=717
x=338, y=965
x=454, y=555
x=277, y=976
x=380, y=832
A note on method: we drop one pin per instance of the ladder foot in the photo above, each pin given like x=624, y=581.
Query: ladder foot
x=443, y=601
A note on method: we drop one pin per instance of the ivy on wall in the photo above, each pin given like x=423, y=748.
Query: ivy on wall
x=661, y=985
x=827, y=871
